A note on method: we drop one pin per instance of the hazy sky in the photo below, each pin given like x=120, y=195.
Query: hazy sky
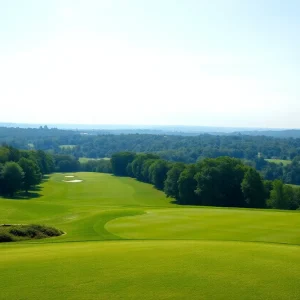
x=187, y=62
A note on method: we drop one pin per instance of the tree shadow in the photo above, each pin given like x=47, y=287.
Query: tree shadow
x=174, y=202
x=36, y=188
x=26, y=196
x=45, y=178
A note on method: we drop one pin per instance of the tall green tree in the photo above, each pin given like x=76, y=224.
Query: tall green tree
x=120, y=161
x=158, y=173
x=32, y=174
x=278, y=197
x=219, y=182
x=187, y=186
x=171, y=182
x=12, y=177
x=146, y=170
x=138, y=166
x=253, y=189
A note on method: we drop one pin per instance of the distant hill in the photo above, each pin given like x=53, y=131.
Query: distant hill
x=290, y=133
x=145, y=129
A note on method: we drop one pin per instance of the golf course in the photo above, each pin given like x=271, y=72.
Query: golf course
x=124, y=239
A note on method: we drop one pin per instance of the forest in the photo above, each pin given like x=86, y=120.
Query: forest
x=252, y=150
x=222, y=181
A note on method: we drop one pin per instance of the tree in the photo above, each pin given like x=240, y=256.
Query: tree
x=187, y=186
x=32, y=174
x=138, y=166
x=158, y=173
x=119, y=162
x=45, y=161
x=171, y=182
x=253, y=189
x=219, y=182
x=278, y=197
x=12, y=177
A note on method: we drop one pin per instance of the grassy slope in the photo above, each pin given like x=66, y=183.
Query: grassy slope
x=208, y=262
x=86, y=159
x=279, y=161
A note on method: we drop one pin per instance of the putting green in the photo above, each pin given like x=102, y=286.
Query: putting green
x=210, y=224
x=126, y=240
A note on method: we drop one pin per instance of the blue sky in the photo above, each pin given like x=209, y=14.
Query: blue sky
x=213, y=63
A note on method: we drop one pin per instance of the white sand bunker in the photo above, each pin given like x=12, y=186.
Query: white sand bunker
x=74, y=181
x=69, y=176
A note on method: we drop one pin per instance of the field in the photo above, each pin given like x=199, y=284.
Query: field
x=279, y=161
x=126, y=240
x=86, y=159
x=67, y=147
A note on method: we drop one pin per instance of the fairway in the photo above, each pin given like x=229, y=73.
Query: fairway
x=125, y=240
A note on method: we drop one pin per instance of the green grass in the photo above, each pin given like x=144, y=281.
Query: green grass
x=67, y=146
x=279, y=161
x=86, y=159
x=126, y=240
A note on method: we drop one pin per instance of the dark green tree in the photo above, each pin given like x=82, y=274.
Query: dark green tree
x=146, y=170
x=138, y=165
x=253, y=189
x=278, y=197
x=12, y=178
x=219, y=182
x=120, y=161
x=171, y=182
x=32, y=174
x=187, y=186
x=158, y=173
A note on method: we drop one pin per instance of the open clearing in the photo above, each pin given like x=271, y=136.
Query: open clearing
x=86, y=159
x=279, y=161
x=126, y=240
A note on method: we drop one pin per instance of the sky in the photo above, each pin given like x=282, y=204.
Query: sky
x=224, y=63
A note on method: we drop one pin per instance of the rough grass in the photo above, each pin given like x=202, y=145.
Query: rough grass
x=279, y=161
x=126, y=240
x=13, y=233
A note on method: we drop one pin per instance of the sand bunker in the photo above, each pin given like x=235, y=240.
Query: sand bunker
x=74, y=181
x=69, y=176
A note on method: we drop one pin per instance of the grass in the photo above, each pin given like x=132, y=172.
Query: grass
x=67, y=146
x=126, y=240
x=86, y=159
x=279, y=161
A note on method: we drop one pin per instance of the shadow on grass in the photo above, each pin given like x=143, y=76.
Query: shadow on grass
x=45, y=178
x=26, y=196
x=32, y=194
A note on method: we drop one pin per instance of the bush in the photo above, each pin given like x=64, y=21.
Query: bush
x=22, y=232
x=18, y=231
x=5, y=237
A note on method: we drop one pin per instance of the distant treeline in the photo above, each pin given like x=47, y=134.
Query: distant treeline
x=186, y=149
x=221, y=181
x=289, y=173
x=253, y=150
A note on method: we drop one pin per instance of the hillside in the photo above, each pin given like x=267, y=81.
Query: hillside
x=126, y=240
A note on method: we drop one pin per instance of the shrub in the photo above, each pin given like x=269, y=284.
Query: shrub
x=5, y=237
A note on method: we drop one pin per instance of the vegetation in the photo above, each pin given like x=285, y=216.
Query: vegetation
x=221, y=181
x=170, y=147
x=145, y=246
x=285, y=162
x=12, y=233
